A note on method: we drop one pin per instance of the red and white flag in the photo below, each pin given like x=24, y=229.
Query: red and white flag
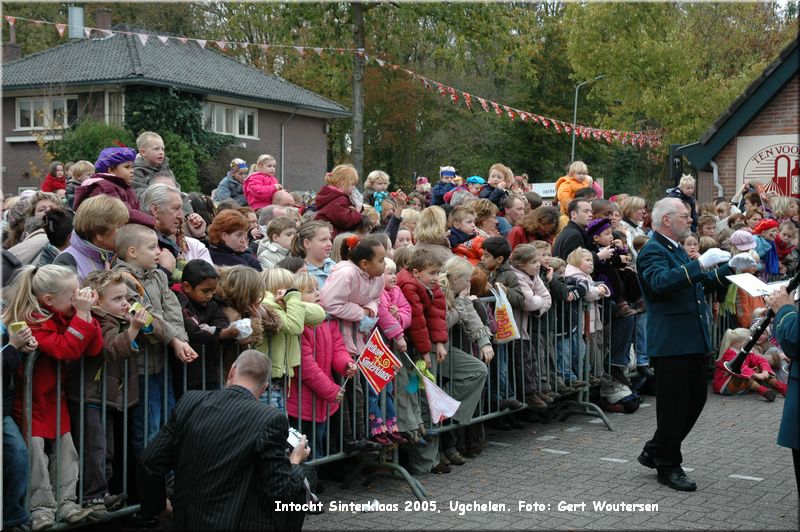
x=60, y=29
x=377, y=362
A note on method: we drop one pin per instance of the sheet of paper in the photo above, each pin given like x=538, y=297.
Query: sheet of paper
x=753, y=285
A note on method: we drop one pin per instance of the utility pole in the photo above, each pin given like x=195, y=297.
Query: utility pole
x=357, y=136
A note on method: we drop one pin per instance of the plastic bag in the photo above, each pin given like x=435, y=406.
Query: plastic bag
x=507, y=329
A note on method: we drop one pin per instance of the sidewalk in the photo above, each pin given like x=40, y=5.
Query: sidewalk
x=745, y=480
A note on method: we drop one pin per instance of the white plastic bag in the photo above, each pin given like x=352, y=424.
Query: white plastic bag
x=507, y=329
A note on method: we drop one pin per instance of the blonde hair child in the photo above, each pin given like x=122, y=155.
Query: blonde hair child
x=59, y=315
x=756, y=373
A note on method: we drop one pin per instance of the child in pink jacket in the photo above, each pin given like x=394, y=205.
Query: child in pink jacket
x=260, y=186
x=394, y=317
x=322, y=352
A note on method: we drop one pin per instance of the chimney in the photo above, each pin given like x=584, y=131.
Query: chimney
x=11, y=50
x=75, y=22
x=102, y=18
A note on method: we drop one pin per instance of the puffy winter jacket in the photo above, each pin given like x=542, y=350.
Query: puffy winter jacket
x=566, y=187
x=537, y=299
x=115, y=187
x=334, y=206
x=259, y=189
x=391, y=326
x=322, y=352
x=428, y=313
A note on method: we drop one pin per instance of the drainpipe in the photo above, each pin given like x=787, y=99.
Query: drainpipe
x=283, y=130
x=715, y=178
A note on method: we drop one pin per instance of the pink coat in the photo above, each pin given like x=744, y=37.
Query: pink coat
x=345, y=294
x=390, y=326
x=317, y=363
x=259, y=189
x=537, y=299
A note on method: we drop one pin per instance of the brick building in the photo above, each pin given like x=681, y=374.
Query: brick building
x=757, y=137
x=46, y=92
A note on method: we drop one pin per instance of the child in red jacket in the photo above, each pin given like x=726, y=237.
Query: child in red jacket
x=333, y=200
x=56, y=179
x=59, y=315
x=261, y=184
x=427, y=334
x=757, y=375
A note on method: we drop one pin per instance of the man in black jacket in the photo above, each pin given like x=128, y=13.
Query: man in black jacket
x=573, y=235
x=228, y=451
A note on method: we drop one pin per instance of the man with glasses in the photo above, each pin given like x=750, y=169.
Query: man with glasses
x=678, y=332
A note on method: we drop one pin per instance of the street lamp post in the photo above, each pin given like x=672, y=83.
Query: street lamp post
x=575, y=112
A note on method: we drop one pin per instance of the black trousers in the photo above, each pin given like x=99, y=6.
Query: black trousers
x=680, y=397
x=796, y=460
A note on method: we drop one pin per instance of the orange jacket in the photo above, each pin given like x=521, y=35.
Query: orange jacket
x=566, y=186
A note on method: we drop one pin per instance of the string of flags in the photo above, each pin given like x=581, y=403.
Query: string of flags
x=651, y=138
x=639, y=139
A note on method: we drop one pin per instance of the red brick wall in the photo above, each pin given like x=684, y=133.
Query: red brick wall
x=781, y=116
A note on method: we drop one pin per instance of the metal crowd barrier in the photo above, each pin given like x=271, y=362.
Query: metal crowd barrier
x=509, y=376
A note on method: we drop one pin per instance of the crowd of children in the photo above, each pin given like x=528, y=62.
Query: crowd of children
x=143, y=302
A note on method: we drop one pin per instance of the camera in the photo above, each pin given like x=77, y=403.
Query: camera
x=294, y=437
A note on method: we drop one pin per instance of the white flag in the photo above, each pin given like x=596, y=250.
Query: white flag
x=440, y=405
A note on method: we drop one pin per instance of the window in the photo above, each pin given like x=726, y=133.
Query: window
x=46, y=113
x=230, y=120
x=115, y=108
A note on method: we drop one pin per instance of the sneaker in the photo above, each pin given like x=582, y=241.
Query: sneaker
x=396, y=437
x=42, y=521
x=72, y=513
x=114, y=502
x=99, y=511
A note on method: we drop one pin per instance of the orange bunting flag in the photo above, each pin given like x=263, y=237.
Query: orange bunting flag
x=377, y=362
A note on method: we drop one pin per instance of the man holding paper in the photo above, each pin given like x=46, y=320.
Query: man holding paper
x=678, y=332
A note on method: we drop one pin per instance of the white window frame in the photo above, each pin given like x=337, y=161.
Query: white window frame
x=215, y=107
x=48, y=113
x=107, y=107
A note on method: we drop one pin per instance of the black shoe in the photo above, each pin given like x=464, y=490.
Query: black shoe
x=677, y=480
x=499, y=423
x=361, y=445
x=440, y=469
x=515, y=423
x=511, y=404
x=647, y=460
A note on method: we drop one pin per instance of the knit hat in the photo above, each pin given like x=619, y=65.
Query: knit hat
x=597, y=226
x=422, y=180
x=447, y=171
x=765, y=225
x=476, y=180
x=111, y=157
x=743, y=240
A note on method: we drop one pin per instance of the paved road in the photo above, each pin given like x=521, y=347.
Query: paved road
x=745, y=481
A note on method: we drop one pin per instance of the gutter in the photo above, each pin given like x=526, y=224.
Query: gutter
x=283, y=142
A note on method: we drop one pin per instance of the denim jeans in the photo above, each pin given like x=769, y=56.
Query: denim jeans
x=377, y=421
x=15, y=474
x=569, y=355
x=641, y=340
x=274, y=395
x=503, y=388
x=151, y=407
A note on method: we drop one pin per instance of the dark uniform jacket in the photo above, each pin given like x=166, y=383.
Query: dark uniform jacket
x=674, y=290
x=228, y=451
